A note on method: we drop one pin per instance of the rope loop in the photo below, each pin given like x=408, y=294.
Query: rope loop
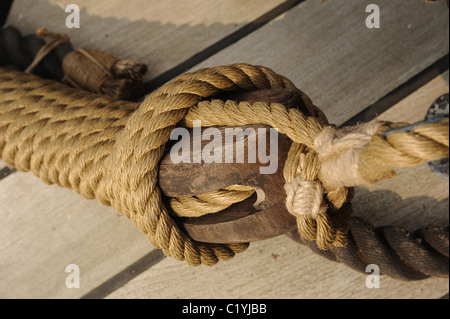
x=110, y=150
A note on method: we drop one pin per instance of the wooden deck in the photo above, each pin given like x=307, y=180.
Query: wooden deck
x=324, y=47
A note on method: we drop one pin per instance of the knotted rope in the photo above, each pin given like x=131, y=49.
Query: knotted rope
x=110, y=150
x=324, y=159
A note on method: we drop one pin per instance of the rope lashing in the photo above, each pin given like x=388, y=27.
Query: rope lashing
x=329, y=227
x=109, y=149
x=91, y=70
x=340, y=158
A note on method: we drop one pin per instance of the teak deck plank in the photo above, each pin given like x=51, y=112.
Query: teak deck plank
x=46, y=228
x=325, y=48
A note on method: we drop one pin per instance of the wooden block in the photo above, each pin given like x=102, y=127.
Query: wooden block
x=61, y=227
x=241, y=222
x=281, y=268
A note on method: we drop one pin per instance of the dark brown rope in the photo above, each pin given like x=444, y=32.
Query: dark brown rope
x=398, y=253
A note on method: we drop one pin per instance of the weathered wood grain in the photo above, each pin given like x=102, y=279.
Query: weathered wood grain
x=46, y=228
x=325, y=48
x=278, y=268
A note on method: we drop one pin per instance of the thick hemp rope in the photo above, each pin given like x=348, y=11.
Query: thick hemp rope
x=109, y=150
x=327, y=227
x=339, y=158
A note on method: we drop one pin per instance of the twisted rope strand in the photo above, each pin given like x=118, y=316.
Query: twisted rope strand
x=110, y=150
x=403, y=149
x=338, y=149
x=211, y=202
x=399, y=254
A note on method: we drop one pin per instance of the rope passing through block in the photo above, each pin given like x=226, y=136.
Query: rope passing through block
x=110, y=149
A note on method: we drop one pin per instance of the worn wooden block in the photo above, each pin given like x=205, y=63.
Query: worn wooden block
x=47, y=228
x=282, y=268
x=259, y=217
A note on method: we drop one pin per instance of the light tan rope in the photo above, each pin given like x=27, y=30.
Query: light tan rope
x=426, y=142
x=110, y=150
x=324, y=226
x=211, y=202
x=339, y=158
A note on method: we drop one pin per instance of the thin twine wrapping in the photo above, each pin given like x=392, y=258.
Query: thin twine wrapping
x=55, y=40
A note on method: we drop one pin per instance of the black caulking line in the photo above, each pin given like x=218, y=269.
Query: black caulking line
x=155, y=256
x=6, y=171
x=400, y=92
x=126, y=275
x=366, y=115
x=220, y=45
x=150, y=259
x=146, y=262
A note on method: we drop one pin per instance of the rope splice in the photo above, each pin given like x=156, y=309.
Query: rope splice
x=110, y=150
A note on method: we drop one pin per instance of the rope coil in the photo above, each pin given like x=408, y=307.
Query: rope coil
x=110, y=150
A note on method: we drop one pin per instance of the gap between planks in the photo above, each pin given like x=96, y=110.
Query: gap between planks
x=402, y=89
x=425, y=94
